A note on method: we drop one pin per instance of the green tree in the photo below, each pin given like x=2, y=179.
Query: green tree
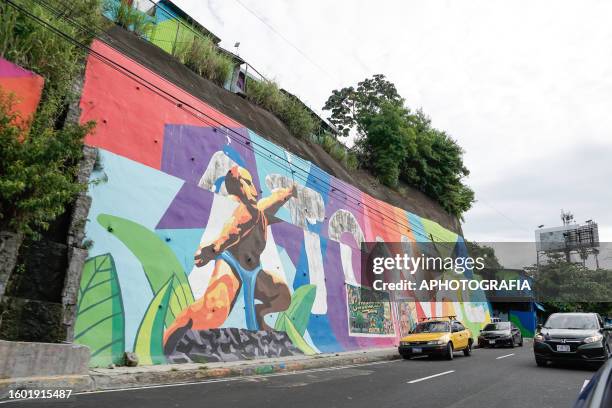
x=38, y=171
x=483, y=251
x=388, y=141
x=350, y=105
x=437, y=167
x=571, y=287
x=412, y=151
x=40, y=161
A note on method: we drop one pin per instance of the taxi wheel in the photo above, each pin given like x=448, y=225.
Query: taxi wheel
x=449, y=351
x=468, y=350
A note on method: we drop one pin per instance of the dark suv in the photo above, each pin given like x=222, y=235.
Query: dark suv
x=500, y=334
x=580, y=337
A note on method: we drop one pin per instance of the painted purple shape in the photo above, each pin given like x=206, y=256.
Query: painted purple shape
x=289, y=237
x=337, y=311
x=188, y=150
x=8, y=69
x=190, y=209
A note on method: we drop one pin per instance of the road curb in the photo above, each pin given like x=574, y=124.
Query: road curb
x=175, y=374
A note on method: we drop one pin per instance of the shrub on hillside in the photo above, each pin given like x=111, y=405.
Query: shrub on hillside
x=127, y=15
x=39, y=161
x=338, y=151
x=202, y=56
x=289, y=110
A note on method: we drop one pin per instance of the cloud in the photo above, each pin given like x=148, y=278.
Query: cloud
x=525, y=87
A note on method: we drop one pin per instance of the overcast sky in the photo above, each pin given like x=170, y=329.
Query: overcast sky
x=524, y=86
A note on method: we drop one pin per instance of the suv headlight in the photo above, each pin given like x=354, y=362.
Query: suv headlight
x=436, y=342
x=593, y=339
x=538, y=337
x=404, y=343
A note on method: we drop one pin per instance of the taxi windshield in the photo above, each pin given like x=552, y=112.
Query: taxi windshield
x=432, y=327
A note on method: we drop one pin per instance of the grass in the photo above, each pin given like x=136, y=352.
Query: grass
x=129, y=17
x=202, y=56
x=338, y=151
x=298, y=120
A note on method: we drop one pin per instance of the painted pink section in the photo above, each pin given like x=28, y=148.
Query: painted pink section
x=8, y=69
x=26, y=86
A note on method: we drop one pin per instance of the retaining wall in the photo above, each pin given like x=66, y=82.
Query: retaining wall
x=174, y=175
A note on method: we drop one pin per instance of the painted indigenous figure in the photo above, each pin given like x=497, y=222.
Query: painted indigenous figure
x=236, y=253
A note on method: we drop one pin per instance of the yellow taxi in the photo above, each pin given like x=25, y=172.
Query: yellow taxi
x=437, y=336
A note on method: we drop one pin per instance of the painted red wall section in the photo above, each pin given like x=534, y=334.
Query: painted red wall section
x=107, y=96
x=25, y=85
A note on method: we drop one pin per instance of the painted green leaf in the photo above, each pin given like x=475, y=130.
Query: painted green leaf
x=299, y=309
x=158, y=260
x=100, y=323
x=149, y=339
x=296, y=338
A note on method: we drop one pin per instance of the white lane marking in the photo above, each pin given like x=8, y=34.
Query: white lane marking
x=507, y=355
x=584, y=384
x=430, y=376
x=216, y=380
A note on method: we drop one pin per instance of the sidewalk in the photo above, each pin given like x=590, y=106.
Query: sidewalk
x=130, y=377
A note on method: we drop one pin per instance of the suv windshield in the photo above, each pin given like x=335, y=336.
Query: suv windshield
x=432, y=327
x=497, y=326
x=563, y=321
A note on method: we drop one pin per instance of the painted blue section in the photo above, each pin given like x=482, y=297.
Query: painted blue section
x=310, y=342
x=143, y=197
x=420, y=235
x=268, y=163
x=319, y=181
x=302, y=276
x=219, y=183
x=234, y=155
x=527, y=320
x=288, y=267
x=320, y=329
x=181, y=241
x=318, y=325
x=165, y=12
x=248, y=280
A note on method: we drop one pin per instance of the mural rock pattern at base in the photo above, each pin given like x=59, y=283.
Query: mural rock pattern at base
x=229, y=344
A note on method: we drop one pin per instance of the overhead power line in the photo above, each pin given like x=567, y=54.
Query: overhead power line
x=239, y=138
x=285, y=39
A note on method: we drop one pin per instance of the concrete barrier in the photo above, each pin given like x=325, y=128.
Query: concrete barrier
x=22, y=359
x=101, y=379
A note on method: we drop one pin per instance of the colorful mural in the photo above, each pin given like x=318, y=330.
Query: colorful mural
x=369, y=312
x=211, y=243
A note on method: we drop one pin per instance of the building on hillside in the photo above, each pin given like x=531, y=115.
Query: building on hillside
x=173, y=26
x=518, y=307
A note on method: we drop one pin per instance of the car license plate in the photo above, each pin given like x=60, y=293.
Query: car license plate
x=491, y=341
x=563, y=347
x=417, y=350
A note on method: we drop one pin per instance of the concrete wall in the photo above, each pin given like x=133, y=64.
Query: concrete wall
x=21, y=359
x=173, y=181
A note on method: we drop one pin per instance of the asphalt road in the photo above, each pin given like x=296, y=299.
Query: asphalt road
x=489, y=378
